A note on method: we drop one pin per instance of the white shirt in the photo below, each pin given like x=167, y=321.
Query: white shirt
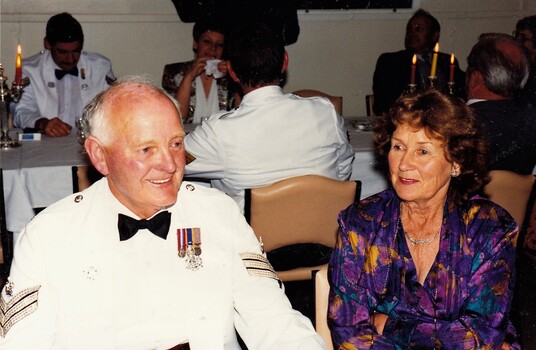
x=96, y=292
x=42, y=97
x=269, y=137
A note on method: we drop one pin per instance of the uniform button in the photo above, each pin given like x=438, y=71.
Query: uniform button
x=78, y=198
x=190, y=187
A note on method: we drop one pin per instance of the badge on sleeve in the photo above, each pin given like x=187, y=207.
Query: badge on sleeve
x=18, y=307
x=189, y=247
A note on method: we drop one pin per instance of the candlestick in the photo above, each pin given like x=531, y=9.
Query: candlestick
x=434, y=61
x=451, y=76
x=413, y=67
x=18, y=66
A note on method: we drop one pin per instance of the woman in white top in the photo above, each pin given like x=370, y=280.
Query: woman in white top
x=201, y=86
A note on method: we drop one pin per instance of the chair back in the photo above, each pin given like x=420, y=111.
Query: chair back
x=511, y=191
x=369, y=102
x=321, y=306
x=336, y=101
x=301, y=209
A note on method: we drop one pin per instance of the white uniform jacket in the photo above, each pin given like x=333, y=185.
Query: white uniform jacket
x=75, y=285
x=40, y=98
x=271, y=136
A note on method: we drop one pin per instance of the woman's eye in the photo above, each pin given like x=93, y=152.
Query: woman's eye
x=423, y=152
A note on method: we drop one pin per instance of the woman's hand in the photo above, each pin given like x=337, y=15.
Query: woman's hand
x=197, y=67
x=222, y=67
x=378, y=321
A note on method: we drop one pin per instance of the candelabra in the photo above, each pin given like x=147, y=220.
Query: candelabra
x=433, y=81
x=7, y=96
x=451, y=85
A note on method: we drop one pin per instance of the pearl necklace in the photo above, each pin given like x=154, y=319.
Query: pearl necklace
x=415, y=242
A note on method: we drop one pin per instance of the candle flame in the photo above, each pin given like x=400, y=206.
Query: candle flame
x=19, y=50
x=18, y=61
x=451, y=58
x=436, y=47
x=414, y=60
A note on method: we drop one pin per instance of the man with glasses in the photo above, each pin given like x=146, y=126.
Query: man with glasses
x=63, y=79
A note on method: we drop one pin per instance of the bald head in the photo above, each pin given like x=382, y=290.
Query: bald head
x=501, y=63
x=98, y=114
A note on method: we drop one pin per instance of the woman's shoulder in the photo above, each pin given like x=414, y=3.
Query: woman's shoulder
x=373, y=208
x=176, y=68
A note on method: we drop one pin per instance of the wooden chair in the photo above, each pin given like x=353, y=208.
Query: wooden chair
x=511, y=191
x=299, y=210
x=335, y=100
x=321, y=306
x=369, y=102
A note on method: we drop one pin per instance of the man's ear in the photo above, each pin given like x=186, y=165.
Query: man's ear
x=47, y=44
x=96, y=153
x=285, y=62
x=232, y=73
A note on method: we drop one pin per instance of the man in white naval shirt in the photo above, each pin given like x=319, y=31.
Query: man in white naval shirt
x=63, y=79
x=271, y=135
x=141, y=260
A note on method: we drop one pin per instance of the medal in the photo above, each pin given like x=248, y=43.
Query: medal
x=189, y=247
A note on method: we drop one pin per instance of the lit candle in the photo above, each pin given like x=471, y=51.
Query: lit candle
x=413, y=66
x=18, y=66
x=434, y=61
x=451, y=76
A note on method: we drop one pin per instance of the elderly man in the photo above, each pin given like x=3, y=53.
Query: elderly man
x=497, y=70
x=141, y=260
x=270, y=136
x=393, y=69
x=63, y=79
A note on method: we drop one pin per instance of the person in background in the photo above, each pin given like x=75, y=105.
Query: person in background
x=497, y=70
x=426, y=264
x=393, y=70
x=525, y=35
x=63, y=79
x=141, y=259
x=271, y=136
x=202, y=86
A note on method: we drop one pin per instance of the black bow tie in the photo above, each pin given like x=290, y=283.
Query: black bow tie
x=61, y=73
x=159, y=225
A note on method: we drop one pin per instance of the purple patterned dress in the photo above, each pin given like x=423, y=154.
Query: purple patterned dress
x=465, y=300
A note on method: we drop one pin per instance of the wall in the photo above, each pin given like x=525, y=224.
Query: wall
x=336, y=51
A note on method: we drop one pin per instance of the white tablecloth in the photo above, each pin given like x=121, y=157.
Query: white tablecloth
x=364, y=165
x=37, y=174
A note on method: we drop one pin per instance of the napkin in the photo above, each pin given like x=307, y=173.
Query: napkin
x=211, y=68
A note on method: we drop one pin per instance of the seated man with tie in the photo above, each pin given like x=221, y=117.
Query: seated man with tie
x=63, y=79
x=141, y=259
x=393, y=69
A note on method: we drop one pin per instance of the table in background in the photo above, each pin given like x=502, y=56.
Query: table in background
x=364, y=165
x=37, y=174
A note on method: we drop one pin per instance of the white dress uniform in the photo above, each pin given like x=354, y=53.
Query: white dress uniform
x=271, y=136
x=42, y=99
x=75, y=285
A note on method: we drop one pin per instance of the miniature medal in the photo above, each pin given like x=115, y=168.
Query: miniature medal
x=189, y=247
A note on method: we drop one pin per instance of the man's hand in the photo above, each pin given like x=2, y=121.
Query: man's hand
x=56, y=128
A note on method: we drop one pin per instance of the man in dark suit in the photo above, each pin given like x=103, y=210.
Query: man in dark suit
x=525, y=35
x=393, y=69
x=497, y=70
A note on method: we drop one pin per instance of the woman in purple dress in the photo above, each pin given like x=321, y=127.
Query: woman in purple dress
x=426, y=264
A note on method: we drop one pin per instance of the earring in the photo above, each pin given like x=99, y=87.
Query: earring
x=454, y=173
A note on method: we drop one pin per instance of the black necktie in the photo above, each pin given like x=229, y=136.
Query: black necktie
x=159, y=225
x=61, y=73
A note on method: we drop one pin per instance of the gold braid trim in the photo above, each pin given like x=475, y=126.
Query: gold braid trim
x=259, y=266
x=21, y=305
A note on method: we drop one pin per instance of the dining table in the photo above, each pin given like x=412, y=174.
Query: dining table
x=37, y=174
